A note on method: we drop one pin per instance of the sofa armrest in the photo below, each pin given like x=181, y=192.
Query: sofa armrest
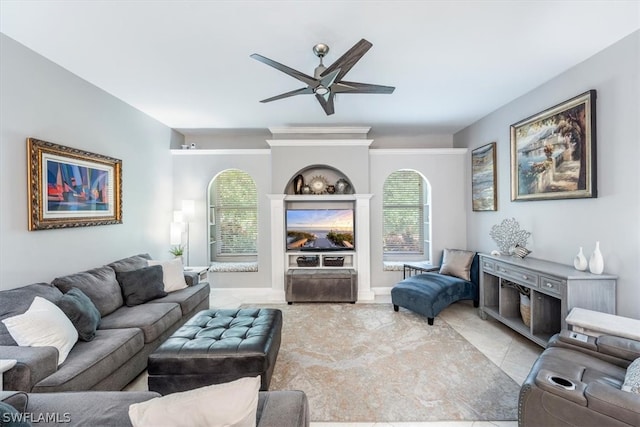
x=613, y=349
x=613, y=402
x=34, y=364
x=191, y=277
x=284, y=408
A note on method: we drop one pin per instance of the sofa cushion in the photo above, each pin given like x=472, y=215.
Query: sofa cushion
x=232, y=404
x=43, y=325
x=95, y=409
x=142, y=285
x=91, y=362
x=82, y=312
x=152, y=319
x=17, y=301
x=172, y=274
x=99, y=284
x=457, y=263
x=189, y=298
x=134, y=262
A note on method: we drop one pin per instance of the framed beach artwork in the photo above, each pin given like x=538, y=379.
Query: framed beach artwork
x=72, y=188
x=553, y=153
x=483, y=178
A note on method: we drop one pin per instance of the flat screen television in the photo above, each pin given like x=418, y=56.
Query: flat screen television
x=320, y=229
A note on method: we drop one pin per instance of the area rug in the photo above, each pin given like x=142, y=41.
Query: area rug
x=367, y=363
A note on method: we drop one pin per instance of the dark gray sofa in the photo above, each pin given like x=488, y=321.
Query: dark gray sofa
x=123, y=341
x=107, y=408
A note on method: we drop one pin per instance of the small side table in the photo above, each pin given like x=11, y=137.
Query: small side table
x=411, y=268
x=5, y=365
x=203, y=272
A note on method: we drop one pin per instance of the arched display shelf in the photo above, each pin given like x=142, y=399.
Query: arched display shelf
x=319, y=180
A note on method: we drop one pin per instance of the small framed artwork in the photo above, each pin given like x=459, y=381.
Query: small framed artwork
x=553, y=153
x=483, y=178
x=72, y=188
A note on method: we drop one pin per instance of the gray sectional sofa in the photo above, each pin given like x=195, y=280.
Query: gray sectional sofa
x=125, y=337
x=275, y=408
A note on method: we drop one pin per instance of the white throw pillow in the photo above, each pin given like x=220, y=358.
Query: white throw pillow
x=232, y=404
x=172, y=274
x=43, y=325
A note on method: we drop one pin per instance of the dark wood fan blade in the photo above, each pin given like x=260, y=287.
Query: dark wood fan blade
x=301, y=91
x=349, y=59
x=290, y=71
x=327, y=104
x=354, y=87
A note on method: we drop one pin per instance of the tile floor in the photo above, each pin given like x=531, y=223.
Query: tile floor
x=513, y=353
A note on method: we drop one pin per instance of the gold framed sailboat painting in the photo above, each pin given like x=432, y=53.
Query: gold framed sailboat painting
x=72, y=188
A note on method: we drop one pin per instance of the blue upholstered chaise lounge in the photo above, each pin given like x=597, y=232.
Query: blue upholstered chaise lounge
x=430, y=293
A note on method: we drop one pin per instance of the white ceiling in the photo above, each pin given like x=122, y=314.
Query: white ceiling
x=186, y=63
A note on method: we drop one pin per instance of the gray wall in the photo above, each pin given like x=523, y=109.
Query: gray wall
x=42, y=100
x=559, y=227
x=442, y=169
x=193, y=171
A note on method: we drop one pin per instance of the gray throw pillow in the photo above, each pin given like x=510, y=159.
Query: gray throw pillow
x=131, y=263
x=99, y=284
x=82, y=312
x=457, y=263
x=142, y=285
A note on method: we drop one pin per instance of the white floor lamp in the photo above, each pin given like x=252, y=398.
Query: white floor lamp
x=188, y=212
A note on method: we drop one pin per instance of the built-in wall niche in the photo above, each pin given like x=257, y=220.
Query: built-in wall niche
x=318, y=180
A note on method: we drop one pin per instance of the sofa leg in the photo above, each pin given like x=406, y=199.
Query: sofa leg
x=476, y=303
x=430, y=320
x=395, y=307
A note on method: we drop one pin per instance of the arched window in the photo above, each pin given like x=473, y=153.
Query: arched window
x=233, y=217
x=405, y=215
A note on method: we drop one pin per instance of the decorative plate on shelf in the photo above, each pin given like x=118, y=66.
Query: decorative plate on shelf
x=318, y=185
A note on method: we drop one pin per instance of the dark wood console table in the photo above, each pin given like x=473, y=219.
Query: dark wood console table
x=321, y=285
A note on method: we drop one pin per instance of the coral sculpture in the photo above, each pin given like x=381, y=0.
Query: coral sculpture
x=508, y=235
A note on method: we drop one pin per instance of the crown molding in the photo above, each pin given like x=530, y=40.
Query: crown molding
x=359, y=130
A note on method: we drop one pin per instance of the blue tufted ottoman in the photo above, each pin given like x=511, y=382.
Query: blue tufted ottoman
x=217, y=346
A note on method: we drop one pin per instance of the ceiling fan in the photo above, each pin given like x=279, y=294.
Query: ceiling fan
x=327, y=81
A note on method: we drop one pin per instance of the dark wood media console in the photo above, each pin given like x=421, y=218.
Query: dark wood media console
x=321, y=285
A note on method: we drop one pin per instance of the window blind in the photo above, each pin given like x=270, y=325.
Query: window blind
x=403, y=213
x=236, y=212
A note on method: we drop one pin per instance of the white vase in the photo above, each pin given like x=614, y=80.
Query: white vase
x=596, y=263
x=580, y=262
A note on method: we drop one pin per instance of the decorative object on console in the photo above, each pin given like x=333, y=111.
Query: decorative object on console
x=331, y=189
x=342, y=186
x=508, y=235
x=306, y=189
x=553, y=152
x=298, y=182
x=596, y=262
x=318, y=185
x=580, y=261
x=72, y=188
x=483, y=178
x=521, y=251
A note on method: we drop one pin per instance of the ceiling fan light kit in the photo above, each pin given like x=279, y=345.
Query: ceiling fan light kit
x=327, y=81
